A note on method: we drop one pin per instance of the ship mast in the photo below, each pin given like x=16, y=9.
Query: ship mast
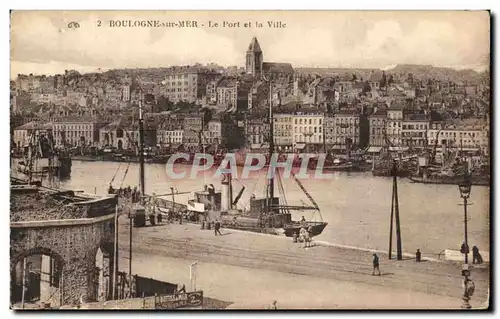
x=271, y=146
x=141, y=151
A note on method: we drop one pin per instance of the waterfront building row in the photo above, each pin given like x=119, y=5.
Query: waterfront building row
x=347, y=128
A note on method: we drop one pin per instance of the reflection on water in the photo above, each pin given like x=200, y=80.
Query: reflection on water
x=357, y=206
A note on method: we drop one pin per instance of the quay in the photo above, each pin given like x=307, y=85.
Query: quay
x=237, y=266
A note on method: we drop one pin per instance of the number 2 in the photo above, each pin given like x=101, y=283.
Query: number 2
x=98, y=23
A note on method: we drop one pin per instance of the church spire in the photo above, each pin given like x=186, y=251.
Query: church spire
x=254, y=46
x=254, y=59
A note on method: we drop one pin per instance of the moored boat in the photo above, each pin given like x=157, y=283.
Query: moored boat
x=316, y=228
x=451, y=180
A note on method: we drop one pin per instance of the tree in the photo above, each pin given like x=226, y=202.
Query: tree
x=366, y=87
x=383, y=81
x=410, y=78
x=329, y=109
x=164, y=104
x=390, y=80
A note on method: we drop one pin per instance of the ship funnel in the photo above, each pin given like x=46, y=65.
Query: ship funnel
x=225, y=193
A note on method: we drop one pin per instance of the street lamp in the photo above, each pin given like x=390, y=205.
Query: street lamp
x=468, y=285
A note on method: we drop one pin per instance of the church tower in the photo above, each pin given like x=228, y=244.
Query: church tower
x=254, y=59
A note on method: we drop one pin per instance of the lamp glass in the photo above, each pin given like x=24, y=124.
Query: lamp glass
x=464, y=188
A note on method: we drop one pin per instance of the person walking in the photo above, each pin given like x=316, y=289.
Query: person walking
x=307, y=239
x=217, y=228
x=376, y=265
x=274, y=305
x=476, y=256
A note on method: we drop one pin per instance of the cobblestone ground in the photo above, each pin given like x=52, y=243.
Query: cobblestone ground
x=250, y=270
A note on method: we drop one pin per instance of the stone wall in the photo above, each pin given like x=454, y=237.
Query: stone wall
x=74, y=244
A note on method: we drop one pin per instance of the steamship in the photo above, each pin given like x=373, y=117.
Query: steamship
x=269, y=214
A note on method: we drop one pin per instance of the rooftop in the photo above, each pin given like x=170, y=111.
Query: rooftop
x=380, y=112
x=227, y=82
x=274, y=67
x=33, y=125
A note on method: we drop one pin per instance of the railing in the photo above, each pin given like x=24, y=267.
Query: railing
x=167, y=204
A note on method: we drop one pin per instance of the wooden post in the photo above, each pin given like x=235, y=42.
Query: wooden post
x=392, y=213
x=115, y=256
x=173, y=202
x=398, y=226
x=24, y=283
x=130, y=258
x=61, y=289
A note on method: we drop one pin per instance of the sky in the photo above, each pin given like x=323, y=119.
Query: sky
x=42, y=42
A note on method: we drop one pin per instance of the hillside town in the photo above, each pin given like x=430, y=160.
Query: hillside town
x=407, y=107
x=370, y=181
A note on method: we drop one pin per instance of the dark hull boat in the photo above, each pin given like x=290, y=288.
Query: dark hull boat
x=340, y=168
x=451, y=180
x=294, y=228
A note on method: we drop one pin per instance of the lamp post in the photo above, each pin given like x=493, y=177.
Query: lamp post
x=468, y=285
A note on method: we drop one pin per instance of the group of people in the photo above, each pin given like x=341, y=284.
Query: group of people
x=305, y=235
x=476, y=258
x=216, y=225
x=126, y=192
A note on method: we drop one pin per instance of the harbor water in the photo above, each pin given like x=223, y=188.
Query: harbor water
x=357, y=206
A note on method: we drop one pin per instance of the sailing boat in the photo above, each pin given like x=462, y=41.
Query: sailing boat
x=274, y=213
x=315, y=228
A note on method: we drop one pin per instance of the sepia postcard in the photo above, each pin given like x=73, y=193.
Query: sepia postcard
x=251, y=160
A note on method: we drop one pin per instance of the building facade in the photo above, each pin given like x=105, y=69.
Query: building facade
x=377, y=127
x=124, y=135
x=394, y=125
x=414, y=131
x=329, y=129
x=187, y=84
x=347, y=129
x=22, y=134
x=76, y=132
x=307, y=128
x=169, y=136
x=213, y=134
x=126, y=92
x=256, y=132
x=227, y=92
x=460, y=135
x=193, y=125
x=283, y=128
